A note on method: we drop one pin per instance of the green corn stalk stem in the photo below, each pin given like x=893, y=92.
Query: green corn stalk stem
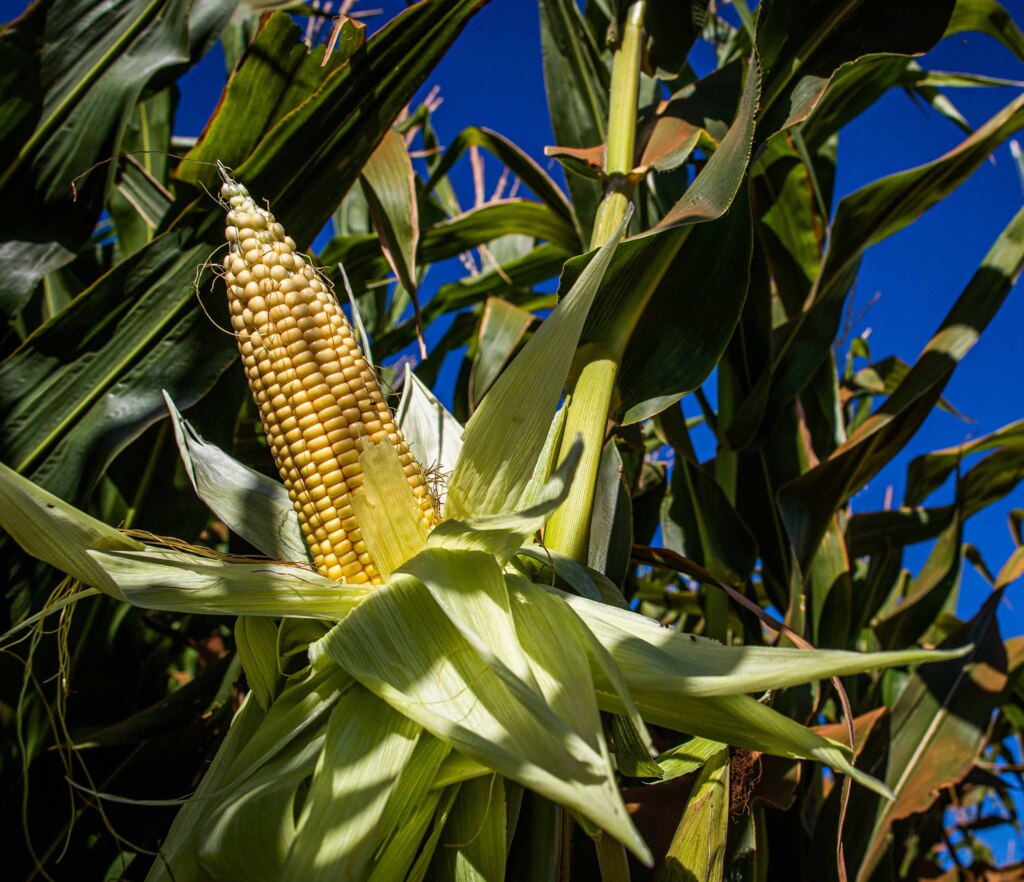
x=622, y=110
x=592, y=383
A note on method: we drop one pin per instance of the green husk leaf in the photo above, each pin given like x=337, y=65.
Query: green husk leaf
x=367, y=747
x=386, y=508
x=402, y=646
x=698, y=846
x=687, y=757
x=256, y=639
x=506, y=434
x=501, y=535
x=254, y=506
x=434, y=435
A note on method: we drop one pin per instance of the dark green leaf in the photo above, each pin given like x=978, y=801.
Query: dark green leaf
x=927, y=473
x=802, y=45
x=682, y=332
x=987, y=17
x=577, y=82
x=73, y=72
x=938, y=724
x=809, y=501
x=390, y=189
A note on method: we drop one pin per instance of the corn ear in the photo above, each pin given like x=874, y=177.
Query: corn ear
x=318, y=397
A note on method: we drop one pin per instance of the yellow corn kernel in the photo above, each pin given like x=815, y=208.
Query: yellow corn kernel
x=318, y=397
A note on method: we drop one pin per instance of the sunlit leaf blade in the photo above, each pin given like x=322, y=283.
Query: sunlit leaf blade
x=501, y=535
x=434, y=435
x=256, y=507
x=505, y=435
x=401, y=646
x=264, y=801
x=389, y=185
x=659, y=659
x=468, y=586
x=409, y=843
x=502, y=327
x=687, y=757
x=276, y=74
x=168, y=579
x=386, y=508
x=736, y=720
x=987, y=482
x=53, y=531
x=161, y=577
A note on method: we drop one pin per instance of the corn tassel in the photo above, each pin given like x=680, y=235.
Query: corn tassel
x=318, y=397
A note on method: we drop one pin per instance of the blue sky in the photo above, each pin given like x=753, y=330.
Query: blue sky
x=493, y=77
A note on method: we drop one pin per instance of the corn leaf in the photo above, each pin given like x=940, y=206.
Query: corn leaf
x=434, y=435
x=66, y=417
x=118, y=47
x=389, y=186
x=254, y=506
x=937, y=726
x=470, y=589
x=687, y=757
x=654, y=658
x=387, y=509
x=577, y=83
x=506, y=434
x=180, y=848
x=367, y=747
x=697, y=850
x=256, y=639
x=409, y=843
x=803, y=45
x=862, y=219
x=264, y=801
x=809, y=501
x=402, y=646
x=179, y=581
x=987, y=17
x=927, y=473
x=53, y=531
x=472, y=847
x=501, y=535
x=502, y=327
x=159, y=577
x=521, y=165
x=736, y=720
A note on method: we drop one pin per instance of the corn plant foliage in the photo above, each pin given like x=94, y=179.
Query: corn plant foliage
x=423, y=729
x=120, y=47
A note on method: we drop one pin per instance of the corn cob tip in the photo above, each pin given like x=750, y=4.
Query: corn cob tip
x=317, y=395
